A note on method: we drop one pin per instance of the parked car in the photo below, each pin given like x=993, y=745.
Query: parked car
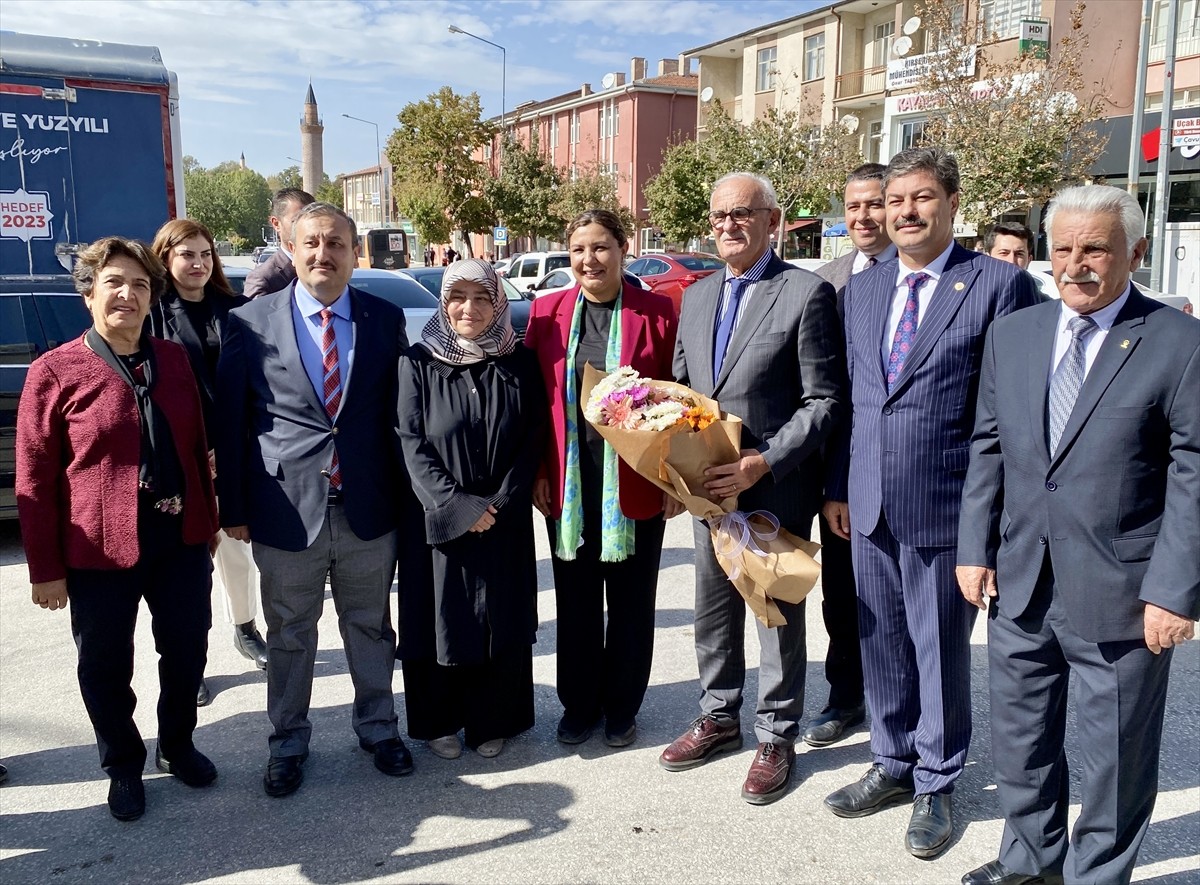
x=36, y=315
x=669, y=273
x=504, y=264
x=518, y=301
x=265, y=254
x=562, y=279
x=532, y=266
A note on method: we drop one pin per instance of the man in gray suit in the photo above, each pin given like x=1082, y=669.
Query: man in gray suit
x=915, y=328
x=277, y=271
x=763, y=339
x=866, y=223
x=1080, y=518
x=310, y=470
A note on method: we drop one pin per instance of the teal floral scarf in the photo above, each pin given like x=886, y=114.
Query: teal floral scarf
x=616, y=532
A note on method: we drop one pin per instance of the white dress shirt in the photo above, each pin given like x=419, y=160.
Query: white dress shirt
x=306, y=317
x=862, y=260
x=935, y=269
x=1103, y=318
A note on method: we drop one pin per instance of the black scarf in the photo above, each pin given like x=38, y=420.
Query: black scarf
x=159, y=474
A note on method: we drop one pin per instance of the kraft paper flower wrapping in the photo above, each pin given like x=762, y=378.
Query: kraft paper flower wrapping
x=764, y=562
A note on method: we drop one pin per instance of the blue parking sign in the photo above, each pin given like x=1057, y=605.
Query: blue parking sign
x=500, y=236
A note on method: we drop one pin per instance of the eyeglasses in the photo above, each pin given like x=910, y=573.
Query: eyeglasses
x=739, y=214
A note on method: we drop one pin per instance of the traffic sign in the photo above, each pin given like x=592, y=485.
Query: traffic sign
x=500, y=236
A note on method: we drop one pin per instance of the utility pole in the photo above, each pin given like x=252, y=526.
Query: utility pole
x=1162, y=186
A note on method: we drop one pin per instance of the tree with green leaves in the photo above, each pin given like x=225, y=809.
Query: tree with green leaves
x=228, y=199
x=1021, y=127
x=331, y=192
x=439, y=185
x=523, y=195
x=288, y=177
x=590, y=188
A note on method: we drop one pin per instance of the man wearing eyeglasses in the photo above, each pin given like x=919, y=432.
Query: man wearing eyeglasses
x=764, y=340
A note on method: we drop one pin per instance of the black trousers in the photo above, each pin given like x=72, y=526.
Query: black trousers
x=839, y=609
x=605, y=669
x=489, y=700
x=175, y=579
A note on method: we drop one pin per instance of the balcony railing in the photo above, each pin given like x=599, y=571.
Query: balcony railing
x=861, y=82
x=1185, y=47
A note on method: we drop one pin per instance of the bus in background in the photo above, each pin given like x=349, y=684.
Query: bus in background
x=385, y=248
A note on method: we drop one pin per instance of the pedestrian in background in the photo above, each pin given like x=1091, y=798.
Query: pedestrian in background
x=115, y=499
x=472, y=420
x=605, y=522
x=277, y=271
x=192, y=312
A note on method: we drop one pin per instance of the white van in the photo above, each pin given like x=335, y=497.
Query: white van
x=532, y=266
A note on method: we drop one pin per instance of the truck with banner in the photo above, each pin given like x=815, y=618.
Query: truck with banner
x=89, y=147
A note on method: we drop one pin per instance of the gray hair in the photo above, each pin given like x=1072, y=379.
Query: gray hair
x=1093, y=199
x=937, y=162
x=325, y=210
x=763, y=184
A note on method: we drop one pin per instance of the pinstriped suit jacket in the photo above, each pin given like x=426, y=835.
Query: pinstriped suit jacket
x=783, y=375
x=908, y=450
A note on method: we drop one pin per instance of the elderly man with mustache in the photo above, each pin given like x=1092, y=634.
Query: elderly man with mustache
x=915, y=327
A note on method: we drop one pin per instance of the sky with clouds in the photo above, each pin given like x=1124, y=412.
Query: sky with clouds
x=244, y=65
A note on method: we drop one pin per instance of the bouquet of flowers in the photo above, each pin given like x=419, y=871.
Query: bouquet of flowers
x=670, y=434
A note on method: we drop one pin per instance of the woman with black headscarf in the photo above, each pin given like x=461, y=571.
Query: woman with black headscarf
x=116, y=504
x=472, y=416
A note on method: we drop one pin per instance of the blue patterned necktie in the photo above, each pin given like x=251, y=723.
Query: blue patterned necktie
x=906, y=329
x=725, y=326
x=1067, y=379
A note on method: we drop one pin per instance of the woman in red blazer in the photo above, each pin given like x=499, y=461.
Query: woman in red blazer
x=116, y=504
x=605, y=522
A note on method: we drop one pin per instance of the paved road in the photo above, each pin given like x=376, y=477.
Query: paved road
x=539, y=813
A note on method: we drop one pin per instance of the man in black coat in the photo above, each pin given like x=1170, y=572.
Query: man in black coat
x=277, y=271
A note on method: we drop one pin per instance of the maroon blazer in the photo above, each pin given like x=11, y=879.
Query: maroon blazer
x=648, y=325
x=78, y=450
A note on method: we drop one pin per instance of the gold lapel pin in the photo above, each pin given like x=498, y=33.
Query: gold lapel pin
x=958, y=287
x=1125, y=344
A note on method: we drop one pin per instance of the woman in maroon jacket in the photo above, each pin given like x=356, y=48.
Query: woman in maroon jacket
x=604, y=521
x=116, y=504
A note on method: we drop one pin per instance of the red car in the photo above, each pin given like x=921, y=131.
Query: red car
x=669, y=273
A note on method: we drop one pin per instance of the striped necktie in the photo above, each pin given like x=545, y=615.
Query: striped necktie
x=1067, y=379
x=332, y=393
x=906, y=329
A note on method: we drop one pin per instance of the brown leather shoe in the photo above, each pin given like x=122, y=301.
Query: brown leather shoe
x=769, y=773
x=704, y=737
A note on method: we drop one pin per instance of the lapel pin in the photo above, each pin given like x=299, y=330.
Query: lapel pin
x=958, y=287
x=1125, y=344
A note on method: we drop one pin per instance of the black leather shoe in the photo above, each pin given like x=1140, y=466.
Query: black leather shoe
x=126, y=797
x=930, y=826
x=995, y=873
x=617, y=734
x=193, y=768
x=391, y=756
x=829, y=727
x=284, y=775
x=249, y=642
x=872, y=792
x=203, y=695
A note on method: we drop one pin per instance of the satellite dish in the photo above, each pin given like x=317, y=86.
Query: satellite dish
x=608, y=81
x=850, y=122
x=706, y=94
x=902, y=46
x=912, y=25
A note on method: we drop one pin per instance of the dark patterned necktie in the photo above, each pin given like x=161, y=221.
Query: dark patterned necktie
x=728, y=321
x=906, y=329
x=332, y=393
x=1067, y=379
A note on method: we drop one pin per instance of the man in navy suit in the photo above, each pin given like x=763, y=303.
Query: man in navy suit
x=311, y=472
x=1080, y=518
x=866, y=224
x=915, y=328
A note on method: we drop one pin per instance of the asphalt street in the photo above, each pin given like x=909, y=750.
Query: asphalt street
x=538, y=813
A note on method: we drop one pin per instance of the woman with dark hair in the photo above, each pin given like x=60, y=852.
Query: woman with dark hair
x=192, y=312
x=605, y=522
x=472, y=420
x=116, y=504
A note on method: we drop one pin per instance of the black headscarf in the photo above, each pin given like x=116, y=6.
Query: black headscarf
x=159, y=473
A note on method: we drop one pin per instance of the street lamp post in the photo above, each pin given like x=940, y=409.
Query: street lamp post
x=455, y=29
x=384, y=199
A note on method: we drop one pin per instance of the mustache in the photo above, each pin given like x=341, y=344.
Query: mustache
x=1090, y=277
x=915, y=219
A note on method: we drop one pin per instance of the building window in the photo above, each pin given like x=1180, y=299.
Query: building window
x=574, y=127
x=609, y=119
x=814, y=57
x=1186, y=18
x=553, y=139
x=1002, y=18
x=912, y=133
x=487, y=151
x=953, y=37
x=881, y=46
x=874, y=138
x=766, y=68
x=1182, y=98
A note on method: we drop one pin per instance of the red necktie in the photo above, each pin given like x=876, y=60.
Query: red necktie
x=332, y=385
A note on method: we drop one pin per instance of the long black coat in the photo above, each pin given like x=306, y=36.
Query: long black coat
x=472, y=437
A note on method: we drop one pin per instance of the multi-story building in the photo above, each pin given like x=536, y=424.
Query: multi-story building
x=621, y=129
x=367, y=196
